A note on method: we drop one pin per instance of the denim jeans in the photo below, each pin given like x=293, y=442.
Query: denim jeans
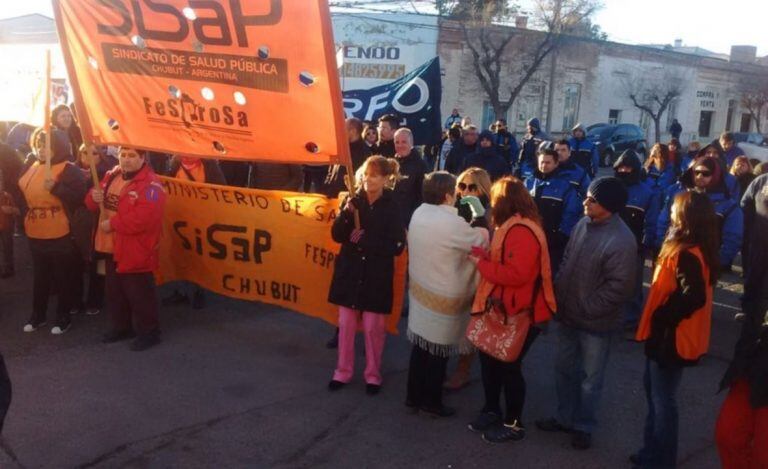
x=580, y=360
x=660, y=434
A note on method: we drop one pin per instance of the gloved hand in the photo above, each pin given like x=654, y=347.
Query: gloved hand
x=474, y=204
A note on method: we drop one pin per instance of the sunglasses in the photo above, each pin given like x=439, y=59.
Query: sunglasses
x=702, y=173
x=463, y=187
x=591, y=200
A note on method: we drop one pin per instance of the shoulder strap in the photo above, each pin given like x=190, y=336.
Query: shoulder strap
x=537, y=284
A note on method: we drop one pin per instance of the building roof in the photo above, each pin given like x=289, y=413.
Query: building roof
x=28, y=29
x=693, y=50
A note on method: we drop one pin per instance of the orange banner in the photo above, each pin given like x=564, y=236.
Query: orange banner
x=267, y=246
x=232, y=79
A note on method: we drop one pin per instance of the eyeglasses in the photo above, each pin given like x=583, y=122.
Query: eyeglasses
x=590, y=200
x=702, y=173
x=463, y=187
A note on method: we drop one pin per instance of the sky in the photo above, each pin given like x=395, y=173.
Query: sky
x=716, y=27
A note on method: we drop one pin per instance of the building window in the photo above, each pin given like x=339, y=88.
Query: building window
x=614, y=116
x=571, y=105
x=526, y=109
x=671, y=112
x=705, y=123
x=746, y=122
x=729, y=117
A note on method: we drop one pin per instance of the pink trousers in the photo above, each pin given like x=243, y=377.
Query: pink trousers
x=374, y=330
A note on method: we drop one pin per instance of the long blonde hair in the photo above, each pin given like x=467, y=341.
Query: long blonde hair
x=659, y=155
x=480, y=177
x=744, y=159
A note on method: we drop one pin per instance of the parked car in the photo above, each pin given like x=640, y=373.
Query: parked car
x=755, y=145
x=612, y=140
x=594, y=126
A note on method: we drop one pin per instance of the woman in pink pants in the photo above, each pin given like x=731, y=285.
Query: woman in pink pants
x=364, y=269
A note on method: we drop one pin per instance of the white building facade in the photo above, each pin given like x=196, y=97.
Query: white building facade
x=377, y=48
x=586, y=81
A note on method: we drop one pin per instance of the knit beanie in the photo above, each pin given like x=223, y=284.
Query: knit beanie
x=609, y=192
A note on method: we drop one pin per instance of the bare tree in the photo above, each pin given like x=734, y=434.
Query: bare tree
x=754, y=98
x=487, y=41
x=653, y=90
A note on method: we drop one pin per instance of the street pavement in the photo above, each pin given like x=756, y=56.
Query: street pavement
x=242, y=384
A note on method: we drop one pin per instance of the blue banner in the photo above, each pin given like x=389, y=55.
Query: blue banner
x=414, y=98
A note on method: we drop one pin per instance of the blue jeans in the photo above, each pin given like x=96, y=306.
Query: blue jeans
x=580, y=360
x=660, y=434
x=634, y=307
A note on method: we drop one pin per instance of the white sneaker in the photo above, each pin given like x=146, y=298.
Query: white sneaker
x=30, y=327
x=92, y=311
x=58, y=330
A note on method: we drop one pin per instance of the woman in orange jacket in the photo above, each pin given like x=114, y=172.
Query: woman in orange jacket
x=676, y=321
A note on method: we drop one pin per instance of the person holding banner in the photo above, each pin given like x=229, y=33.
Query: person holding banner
x=442, y=285
x=131, y=201
x=371, y=233
x=52, y=190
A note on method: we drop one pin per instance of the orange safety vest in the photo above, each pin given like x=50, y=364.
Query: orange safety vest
x=692, y=334
x=198, y=174
x=105, y=242
x=544, y=304
x=46, y=217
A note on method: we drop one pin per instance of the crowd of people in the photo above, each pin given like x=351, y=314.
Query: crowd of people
x=500, y=242
x=503, y=237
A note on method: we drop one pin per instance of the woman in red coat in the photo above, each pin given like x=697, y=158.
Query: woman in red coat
x=516, y=279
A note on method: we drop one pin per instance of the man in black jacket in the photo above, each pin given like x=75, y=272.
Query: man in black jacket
x=358, y=150
x=455, y=161
x=388, y=124
x=412, y=171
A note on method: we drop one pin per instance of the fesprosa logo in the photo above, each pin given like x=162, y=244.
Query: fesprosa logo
x=184, y=34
